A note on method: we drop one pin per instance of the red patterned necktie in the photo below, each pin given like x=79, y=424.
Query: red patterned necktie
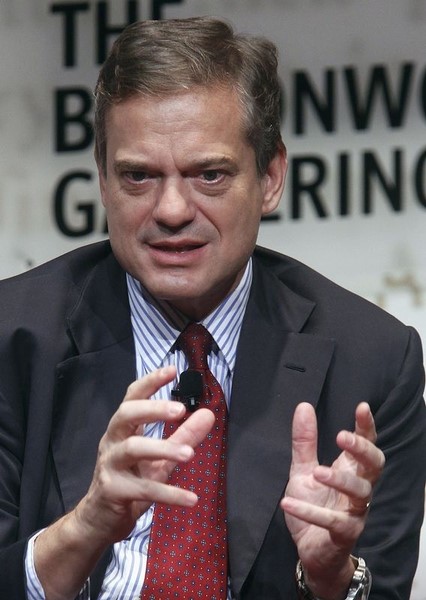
x=187, y=556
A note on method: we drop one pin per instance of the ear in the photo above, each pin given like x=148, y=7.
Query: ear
x=273, y=180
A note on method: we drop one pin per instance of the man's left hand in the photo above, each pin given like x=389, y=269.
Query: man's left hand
x=326, y=508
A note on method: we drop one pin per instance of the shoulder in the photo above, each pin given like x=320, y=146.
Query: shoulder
x=338, y=313
x=52, y=285
x=328, y=296
x=374, y=353
x=72, y=263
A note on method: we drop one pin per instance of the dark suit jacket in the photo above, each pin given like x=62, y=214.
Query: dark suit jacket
x=67, y=356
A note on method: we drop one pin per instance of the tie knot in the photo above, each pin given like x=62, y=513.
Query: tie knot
x=195, y=342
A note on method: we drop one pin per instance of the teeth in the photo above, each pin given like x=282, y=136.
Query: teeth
x=180, y=249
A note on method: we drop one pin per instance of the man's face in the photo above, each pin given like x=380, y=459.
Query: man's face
x=182, y=195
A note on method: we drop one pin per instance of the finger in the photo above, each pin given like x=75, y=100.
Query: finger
x=304, y=438
x=131, y=415
x=179, y=447
x=364, y=422
x=357, y=489
x=146, y=386
x=370, y=460
x=195, y=428
x=191, y=433
x=340, y=524
x=154, y=491
x=135, y=449
x=130, y=487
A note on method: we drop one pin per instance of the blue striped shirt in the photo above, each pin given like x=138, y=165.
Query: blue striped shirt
x=156, y=326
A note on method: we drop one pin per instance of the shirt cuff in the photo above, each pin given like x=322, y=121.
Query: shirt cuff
x=34, y=588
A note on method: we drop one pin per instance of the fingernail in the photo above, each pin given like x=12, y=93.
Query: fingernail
x=175, y=408
x=185, y=452
x=191, y=500
x=166, y=370
x=349, y=438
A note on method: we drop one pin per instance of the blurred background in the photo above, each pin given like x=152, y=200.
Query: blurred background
x=354, y=121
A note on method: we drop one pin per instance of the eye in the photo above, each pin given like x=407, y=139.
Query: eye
x=136, y=176
x=211, y=175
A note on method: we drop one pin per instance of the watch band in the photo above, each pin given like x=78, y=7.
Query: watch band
x=358, y=590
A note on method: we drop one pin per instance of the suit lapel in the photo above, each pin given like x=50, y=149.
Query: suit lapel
x=277, y=367
x=91, y=384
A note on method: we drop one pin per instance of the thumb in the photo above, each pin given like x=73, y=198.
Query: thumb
x=304, y=438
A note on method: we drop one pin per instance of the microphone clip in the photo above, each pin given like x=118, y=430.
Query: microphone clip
x=189, y=389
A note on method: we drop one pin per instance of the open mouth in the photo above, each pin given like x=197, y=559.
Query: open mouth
x=177, y=249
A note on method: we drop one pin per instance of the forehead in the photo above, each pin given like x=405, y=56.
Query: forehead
x=209, y=117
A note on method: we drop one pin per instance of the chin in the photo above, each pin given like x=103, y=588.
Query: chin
x=173, y=291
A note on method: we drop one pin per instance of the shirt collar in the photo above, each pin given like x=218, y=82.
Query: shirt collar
x=156, y=324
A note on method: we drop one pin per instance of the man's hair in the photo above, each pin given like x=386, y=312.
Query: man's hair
x=160, y=58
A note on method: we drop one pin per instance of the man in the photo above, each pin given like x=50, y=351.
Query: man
x=190, y=157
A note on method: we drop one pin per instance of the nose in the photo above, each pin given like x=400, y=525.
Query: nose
x=173, y=207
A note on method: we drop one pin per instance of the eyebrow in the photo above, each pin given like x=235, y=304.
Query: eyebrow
x=209, y=162
x=129, y=165
x=217, y=162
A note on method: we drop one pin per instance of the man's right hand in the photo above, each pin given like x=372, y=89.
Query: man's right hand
x=131, y=473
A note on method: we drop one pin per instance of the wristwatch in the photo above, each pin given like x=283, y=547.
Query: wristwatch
x=358, y=590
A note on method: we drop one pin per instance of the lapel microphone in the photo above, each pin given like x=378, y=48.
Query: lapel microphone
x=189, y=389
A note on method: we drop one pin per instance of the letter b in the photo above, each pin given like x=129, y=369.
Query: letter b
x=73, y=127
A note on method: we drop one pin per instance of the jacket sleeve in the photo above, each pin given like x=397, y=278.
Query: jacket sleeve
x=18, y=507
x=390, y=542
x=12, y=549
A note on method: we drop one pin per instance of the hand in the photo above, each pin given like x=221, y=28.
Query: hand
x=132, y=471
x=326, y=507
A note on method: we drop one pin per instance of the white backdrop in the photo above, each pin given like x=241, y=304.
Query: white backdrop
x=354, y=120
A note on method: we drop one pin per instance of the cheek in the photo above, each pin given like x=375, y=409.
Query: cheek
x=244, y=221
x=238, y=237
x=125, y=214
